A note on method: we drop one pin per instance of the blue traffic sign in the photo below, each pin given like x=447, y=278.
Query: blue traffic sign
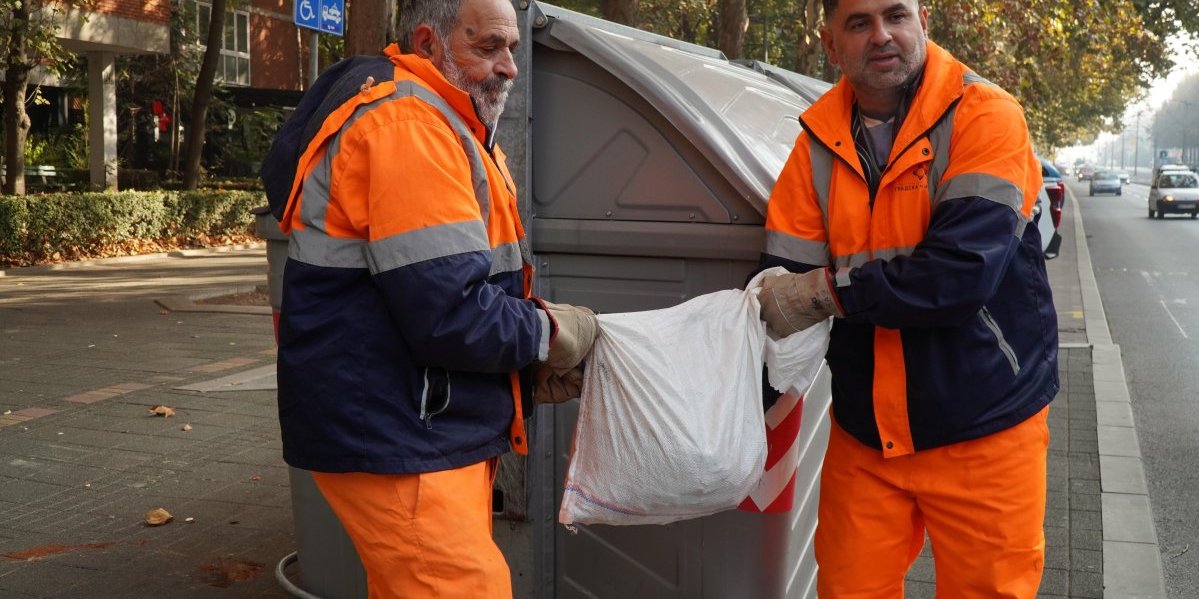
x=325, y=16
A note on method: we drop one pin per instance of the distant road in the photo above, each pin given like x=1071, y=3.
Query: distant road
x=1149, y=283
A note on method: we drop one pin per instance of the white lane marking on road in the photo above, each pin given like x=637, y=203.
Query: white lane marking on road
x=1171, y=315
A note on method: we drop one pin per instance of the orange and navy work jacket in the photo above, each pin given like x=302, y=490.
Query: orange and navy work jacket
x=949, y=331
x=406, y=315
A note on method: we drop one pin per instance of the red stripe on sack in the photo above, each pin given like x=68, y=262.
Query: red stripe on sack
x=781, y=437
x=785, y=500
x=781, y=440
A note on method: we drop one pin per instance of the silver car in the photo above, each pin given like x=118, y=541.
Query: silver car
x=1174, y=191
x=1106, y=182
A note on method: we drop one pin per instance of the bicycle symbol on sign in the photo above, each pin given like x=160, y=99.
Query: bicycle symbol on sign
x=306, y=11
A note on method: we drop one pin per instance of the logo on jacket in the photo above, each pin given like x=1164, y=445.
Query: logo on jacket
x=921, y=183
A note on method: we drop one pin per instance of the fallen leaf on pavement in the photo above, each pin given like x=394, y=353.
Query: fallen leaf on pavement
x=255, y=477
x=187, y=427
x=164, y=411
x=158, y=517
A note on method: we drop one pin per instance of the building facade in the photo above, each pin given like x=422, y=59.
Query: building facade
x=264, y=57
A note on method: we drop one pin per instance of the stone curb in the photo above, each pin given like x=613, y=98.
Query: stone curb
x=189, y=303
x=1132, y=564
x=28, y=270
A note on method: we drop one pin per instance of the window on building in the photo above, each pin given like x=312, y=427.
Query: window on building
x=234, y=66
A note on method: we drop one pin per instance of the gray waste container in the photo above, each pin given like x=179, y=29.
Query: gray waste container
x=266, y=227
x=649, y=171
x=643, y=165
x=324, y=555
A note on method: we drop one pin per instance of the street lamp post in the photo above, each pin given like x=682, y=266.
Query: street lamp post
x=1136, y=148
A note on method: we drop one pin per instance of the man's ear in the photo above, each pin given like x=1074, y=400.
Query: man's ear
x=826, y=40
x=424, y=42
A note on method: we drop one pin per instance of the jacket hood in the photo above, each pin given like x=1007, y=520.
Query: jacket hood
x=333, y=88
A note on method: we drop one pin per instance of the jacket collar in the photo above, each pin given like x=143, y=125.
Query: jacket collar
x=428, y=74
x=829, y=118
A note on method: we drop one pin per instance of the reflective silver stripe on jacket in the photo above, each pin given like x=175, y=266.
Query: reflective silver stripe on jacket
x=822, y=175
x=940, y=137
x=418, y=245
x=990, y=187
x=798, y=249
x=313, y=245
x=859, y=258
x=1004, y=346
x=506, y=257
x=851, y=261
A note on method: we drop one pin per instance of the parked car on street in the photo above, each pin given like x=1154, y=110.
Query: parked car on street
x=1105, y=182
x=1174, y=191
x=1055, y=189
x=1051, y=240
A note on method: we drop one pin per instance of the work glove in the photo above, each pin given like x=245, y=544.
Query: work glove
x=574, y=332
x=552, y=387
x=794, y=302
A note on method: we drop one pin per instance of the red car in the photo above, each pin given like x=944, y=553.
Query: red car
x=1055, y=187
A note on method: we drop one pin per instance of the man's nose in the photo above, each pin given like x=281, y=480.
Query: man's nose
x=506, y=65
x=880, y=35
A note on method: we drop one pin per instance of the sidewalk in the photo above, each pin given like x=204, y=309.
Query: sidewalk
x=84, y=353
x=87, y=350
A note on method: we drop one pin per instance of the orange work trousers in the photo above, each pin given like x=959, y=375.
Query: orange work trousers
x=981, y=501
x=422, y=535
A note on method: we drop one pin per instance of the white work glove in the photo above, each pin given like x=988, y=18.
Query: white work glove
x=576, y=327
x=552, y=387
x=794, y=302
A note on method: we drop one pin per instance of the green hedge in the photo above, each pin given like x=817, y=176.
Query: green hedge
x=52, y=227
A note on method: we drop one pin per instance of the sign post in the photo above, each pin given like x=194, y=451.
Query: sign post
x=321, y=16
x=325, y=16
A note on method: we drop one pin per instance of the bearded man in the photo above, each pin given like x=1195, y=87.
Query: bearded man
x=409, y=344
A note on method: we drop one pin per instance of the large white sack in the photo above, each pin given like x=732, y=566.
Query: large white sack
x=670, y=422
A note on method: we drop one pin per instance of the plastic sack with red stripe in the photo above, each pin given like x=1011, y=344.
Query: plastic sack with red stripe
x=670, y=422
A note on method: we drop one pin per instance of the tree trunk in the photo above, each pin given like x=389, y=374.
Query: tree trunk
x=624, y=12
x=203, y=96
x=16, y=122
x=733, y=23
x=370, y=27
x=807, y=41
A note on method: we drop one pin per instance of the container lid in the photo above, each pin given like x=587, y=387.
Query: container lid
x=744, y=121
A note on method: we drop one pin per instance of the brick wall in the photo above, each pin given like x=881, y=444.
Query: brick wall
x=154, y=11
x=282, y=6
x=274, y=56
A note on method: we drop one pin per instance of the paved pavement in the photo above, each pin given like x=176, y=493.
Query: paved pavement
x=87, y=350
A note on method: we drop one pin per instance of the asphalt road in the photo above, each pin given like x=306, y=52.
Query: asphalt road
x=1148, y=275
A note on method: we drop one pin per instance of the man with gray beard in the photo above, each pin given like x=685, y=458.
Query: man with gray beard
x=409, y=344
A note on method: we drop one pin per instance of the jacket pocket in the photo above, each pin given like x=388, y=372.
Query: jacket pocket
x=435, y=397
x=1004, y=347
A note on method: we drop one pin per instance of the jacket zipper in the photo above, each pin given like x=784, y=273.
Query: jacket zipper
x=427, y=414
x=1004, y=347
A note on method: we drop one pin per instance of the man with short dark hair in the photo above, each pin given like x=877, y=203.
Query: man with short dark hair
x=408, y=338
x=903, y=213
